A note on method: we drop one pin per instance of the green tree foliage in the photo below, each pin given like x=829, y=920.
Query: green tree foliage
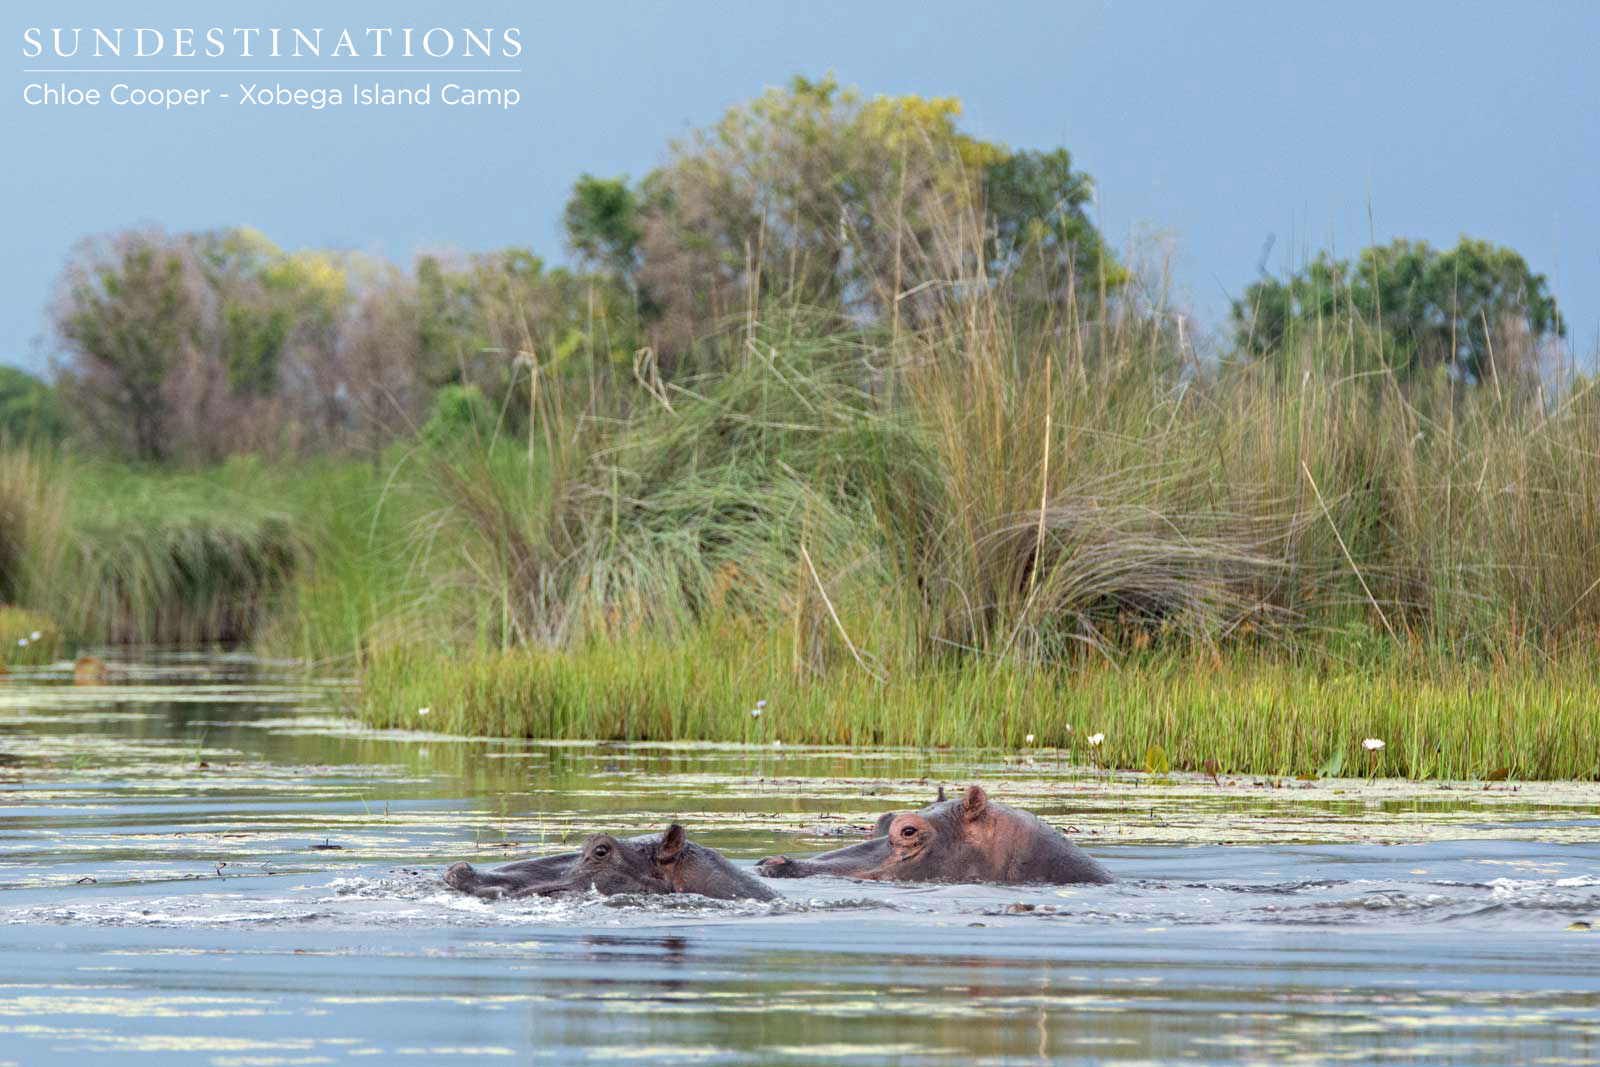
x=272, y=304
x=30, y=410
x=224, y=342
x=459, y=413
x=877, y=210
x=255, y=330
x=1043, y=239
x=602, y=223
x=1477, y=308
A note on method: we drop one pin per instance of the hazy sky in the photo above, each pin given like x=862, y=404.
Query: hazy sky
x=1214, y=128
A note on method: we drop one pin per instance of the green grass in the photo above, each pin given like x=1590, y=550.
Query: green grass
x=28, y=639
x=369, y=560
x=33, y=507
x=308, y=558
x=121, y=554
x=167, y=557
x=1251, y=712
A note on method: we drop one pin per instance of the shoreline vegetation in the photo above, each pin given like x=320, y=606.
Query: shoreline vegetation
x=943, y=471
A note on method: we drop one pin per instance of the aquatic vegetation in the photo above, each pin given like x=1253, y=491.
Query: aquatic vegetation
x=32, y=524
x=114, y=554
x=303, y=558
x=27, y=638
x=182, y=579
x=972, y=532
x=368, y=574
x=1248, y=712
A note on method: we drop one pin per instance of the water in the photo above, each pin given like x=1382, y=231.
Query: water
x=170, y=892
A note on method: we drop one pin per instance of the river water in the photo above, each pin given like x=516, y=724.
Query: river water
x=208, y=862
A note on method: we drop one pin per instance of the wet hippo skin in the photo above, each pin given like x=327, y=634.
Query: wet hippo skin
x=969, y=839
x=667, y=862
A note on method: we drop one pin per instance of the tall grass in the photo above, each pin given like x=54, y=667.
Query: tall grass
x=1043, y=504
x=869, y=523
x=165, y=557
x=113, y=554
x=32, y=524
x=368, y=570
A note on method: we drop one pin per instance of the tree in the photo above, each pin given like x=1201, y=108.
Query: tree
x=875, y=208
x=494, y=320
x=602, y=223
x=192, y=346
x=128, y=310
x=1043, y=238
x=30, y=410
x=1477, y=309
x=255, y=329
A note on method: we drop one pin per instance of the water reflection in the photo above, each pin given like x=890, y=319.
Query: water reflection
x=669, y=948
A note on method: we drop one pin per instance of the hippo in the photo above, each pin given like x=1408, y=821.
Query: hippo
x=667, y=862
x=968, y=839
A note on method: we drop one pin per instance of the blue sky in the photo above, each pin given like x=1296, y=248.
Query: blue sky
x=1218, y=130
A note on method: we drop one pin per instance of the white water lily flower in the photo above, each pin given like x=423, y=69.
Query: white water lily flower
x=1095, y=739
x=761, y=703
x=22, y=642
x=755, y=713
x=1372, y=744
x=777, y=744
x=1029, y=739
x=423, y=711
x=36, y=635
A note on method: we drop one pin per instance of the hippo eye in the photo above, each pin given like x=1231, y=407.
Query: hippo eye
x=910, y=831
x=601, y=850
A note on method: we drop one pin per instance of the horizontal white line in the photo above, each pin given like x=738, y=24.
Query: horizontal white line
x=270, y=70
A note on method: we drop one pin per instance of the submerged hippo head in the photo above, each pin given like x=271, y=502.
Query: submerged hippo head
x=605, y=864
x=656, y=863
x=964, y=840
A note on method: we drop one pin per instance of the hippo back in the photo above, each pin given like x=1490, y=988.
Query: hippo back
x=707, y=872
x=1042, y=854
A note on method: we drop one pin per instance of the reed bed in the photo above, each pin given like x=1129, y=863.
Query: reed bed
x=33, y=507
x=965, y=534
x=1251, y=713
x=111, y=554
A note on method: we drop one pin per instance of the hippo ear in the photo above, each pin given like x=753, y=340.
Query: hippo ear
x=973, y=803
x=672, y=843
x=940, y=798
